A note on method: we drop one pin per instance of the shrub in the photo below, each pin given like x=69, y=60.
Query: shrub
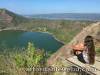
x=31, y=57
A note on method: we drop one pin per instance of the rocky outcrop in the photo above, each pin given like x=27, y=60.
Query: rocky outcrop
x=66, y=50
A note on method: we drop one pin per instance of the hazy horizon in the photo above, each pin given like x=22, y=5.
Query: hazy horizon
x=59, y=13
x=51, y=6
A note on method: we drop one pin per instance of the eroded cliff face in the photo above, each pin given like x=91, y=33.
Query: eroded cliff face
x=4, y=17
x=10, y=19
x=66, y=50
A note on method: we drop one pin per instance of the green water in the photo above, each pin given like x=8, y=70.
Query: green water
x=20, y=39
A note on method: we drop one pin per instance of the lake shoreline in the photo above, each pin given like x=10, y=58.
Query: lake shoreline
x=54, y=37
x=34, y=31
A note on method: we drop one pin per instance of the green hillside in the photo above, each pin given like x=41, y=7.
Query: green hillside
x=64, y=30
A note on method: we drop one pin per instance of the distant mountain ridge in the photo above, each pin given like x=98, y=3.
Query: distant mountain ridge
x=68, y=16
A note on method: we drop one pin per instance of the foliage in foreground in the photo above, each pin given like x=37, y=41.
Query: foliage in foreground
x=31, y=57
x=20, y=62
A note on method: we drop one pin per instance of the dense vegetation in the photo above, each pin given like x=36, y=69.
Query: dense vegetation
x=22, y=62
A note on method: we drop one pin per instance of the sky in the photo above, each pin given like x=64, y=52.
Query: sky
x=28, y=7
